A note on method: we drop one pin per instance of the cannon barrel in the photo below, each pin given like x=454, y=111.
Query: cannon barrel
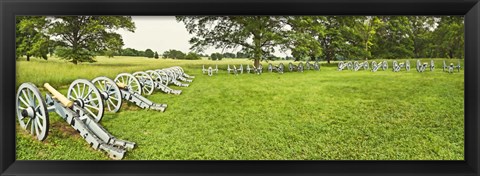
x=57, y=95
x=121, y=85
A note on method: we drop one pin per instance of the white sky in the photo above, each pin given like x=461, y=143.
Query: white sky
x=161, y=33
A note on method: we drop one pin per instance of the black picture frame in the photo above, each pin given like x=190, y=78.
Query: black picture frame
x=10, y=8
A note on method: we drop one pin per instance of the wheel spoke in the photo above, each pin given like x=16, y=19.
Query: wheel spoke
x=91, y=113
x=90, y=106
x=78, y=88
x=108, y=105
x=37, y=123
x=83, y=90
x=23, y=101
x=31, y=126
x=75, y=92
x=88, y=93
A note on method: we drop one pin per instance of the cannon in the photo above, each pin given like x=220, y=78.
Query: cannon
x=278, y=68
x=407, y=65
x=316, y=66
x=432, y=65
x=300, y=67
x=182, y=76
x=258, y=70
x=342, y=65
x=357, y=66
x=210, y=70
x=173, y=77
x=130, y=89
x=32, y=113
x=451, y=67
x=421, y=67
x=291, y=67
x=397, y=66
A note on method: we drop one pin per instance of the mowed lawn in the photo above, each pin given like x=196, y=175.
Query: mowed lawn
x=314, y=115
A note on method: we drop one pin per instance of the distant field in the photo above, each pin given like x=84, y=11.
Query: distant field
x=314, y=115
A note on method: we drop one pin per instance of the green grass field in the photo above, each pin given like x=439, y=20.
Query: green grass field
x=315, y=115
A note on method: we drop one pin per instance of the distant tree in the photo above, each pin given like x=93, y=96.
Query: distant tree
x=174, y=54
x=129, y=52
x=257, y=35
x=216, y=56
x=192, y=56
x=30, y=38
x=229, y=55
x=449, y=37
x=149, y=53
x=82, y=36
x=156, y=55
x=242, y=55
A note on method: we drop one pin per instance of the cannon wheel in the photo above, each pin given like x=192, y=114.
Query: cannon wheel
x=32, y=111
x=155, y=76
x=210, y=72
x=280, y=68
x=407, y=65
x=290, y=66
x=130, y=81
x=270, y=67
x=87, y=96
x=164, y=76
x=146, y=81
x=111, y=95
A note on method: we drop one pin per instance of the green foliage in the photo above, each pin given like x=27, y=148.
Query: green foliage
x=449, y=37
x=192, y=56
x=83, y=35
x=156, y=55
x=216, y=56
x=229, y=55
x=31, y=39
x=256, y=35
x=149, y=53
x=173, y=54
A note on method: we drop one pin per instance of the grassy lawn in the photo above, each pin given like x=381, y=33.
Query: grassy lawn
x=314, y=115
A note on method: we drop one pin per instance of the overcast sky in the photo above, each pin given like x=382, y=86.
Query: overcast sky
x=161, y=33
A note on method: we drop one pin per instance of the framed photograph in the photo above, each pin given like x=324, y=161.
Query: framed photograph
x=239, y=87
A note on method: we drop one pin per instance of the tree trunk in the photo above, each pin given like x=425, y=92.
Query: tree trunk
x=328, y=59
x=74, y=61
x=28, y=57
x=256, y=63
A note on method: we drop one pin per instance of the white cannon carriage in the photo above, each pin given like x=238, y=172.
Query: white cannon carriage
x=131, y=90
x=451, y=67
x=342, y=65
x=210, y=70
x=279, y=69
x=82, y=111
x=422, y=67
x=357, y=66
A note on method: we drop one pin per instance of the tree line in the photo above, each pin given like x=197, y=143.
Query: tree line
x=330, y=37
x=81, y=38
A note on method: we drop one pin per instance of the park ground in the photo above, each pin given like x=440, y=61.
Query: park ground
x=314, y=115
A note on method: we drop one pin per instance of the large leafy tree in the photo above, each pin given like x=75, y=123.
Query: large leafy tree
x=256, y=35
x=81, y=36
x=337, y=40
x=422, y=28
x=31, y=39
x=365, y=28
x=304, y=36
x=393, y=39
x=449, y=37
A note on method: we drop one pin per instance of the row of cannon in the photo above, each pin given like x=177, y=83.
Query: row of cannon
x=396, y=67
x=84, y=105
x=280, y=68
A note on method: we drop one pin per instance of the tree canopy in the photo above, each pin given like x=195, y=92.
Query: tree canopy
x=81, y=36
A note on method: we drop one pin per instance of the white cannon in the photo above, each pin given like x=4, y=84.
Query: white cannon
x=83, y=112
